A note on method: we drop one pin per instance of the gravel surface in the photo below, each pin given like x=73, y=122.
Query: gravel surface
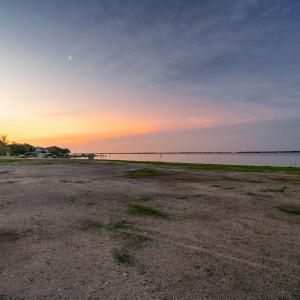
x=101, y=230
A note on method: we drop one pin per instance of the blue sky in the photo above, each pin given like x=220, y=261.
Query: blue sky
x=107, y=68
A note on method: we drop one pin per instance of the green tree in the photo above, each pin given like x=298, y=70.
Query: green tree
x=20, y=149
x=58, y=151
x=4, y=148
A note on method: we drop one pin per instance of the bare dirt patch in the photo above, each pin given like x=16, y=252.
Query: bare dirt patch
x=132, y=231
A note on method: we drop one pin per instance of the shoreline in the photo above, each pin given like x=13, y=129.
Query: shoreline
x=199, y=166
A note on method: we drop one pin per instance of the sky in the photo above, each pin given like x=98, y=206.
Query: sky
x=134, y=75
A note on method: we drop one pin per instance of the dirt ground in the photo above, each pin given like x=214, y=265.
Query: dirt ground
x=99, y=231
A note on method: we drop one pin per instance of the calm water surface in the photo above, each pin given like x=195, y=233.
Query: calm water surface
x=263, y=159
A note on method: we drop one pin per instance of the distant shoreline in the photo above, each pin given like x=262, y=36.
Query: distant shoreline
x=200, y=152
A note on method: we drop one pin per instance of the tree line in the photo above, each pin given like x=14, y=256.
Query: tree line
x=16, y=149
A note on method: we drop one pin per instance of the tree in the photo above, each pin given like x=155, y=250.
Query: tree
x=58, y=151
x=4, y=148
x=3, y=139
x=20, y=149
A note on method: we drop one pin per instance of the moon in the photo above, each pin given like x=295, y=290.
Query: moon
x=70, y=57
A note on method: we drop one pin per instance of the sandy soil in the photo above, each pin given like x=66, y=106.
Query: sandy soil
x=224, y=236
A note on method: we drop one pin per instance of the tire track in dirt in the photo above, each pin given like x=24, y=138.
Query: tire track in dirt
x=191, y=244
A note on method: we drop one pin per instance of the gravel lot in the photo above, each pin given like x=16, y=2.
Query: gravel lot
x=108, y=230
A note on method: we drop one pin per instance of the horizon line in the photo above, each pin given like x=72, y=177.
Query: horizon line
x=193, y=152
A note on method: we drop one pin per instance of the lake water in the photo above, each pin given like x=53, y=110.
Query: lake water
x=263, y=159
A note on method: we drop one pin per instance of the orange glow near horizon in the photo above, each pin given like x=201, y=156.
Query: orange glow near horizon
x=121, y=114
x=71, y=130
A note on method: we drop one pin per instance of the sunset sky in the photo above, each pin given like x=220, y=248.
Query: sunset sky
x=155, y=75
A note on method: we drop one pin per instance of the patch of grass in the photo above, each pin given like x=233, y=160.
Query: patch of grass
x=220, y=167
x=296, y=222
x=145, y=172
x=118, y=224
x=11, y=160
x=91, y=225
x=290, y=209
x=280, y=190
x=146, y=210
x=123, y=257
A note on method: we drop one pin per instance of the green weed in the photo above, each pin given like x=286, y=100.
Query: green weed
x=123, y=257
x=291, y=209
x=146, y=210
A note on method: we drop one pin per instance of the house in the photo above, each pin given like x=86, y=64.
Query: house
x=41, y=152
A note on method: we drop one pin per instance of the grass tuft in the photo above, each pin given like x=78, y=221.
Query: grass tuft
x=291, y=209
x=145, y=172
x=146, y=210
x=123, y=257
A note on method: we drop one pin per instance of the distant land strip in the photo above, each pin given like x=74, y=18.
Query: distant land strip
x=198, y=152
